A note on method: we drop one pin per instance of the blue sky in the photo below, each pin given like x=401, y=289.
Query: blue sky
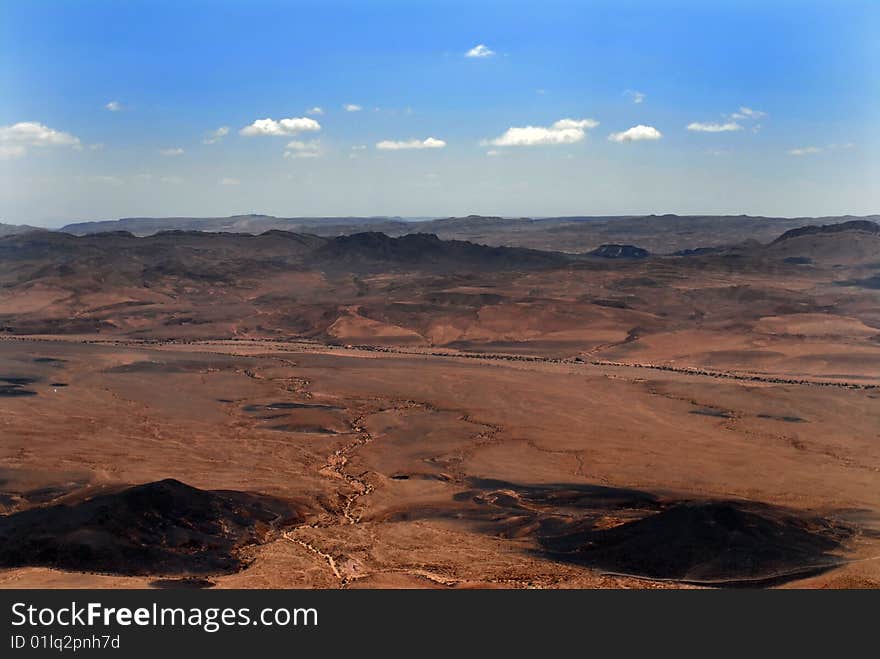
x=109, y=109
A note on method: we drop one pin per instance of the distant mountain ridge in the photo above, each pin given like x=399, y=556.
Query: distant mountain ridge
x=14, y=229
x=659, y=234
x=252, y=223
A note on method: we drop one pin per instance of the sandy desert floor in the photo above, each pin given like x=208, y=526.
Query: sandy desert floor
x=432, y=470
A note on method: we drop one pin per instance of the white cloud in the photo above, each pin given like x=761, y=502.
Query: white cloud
x=427, y=143
x=36, y=134
x=352, y=107
x=812, y=150
x=636, y=133
x=173, y=151
x=480, y=50
x=743, y=114
x=805, y=151
x=564, y=131
x=15, y=139
x=701, y=127
x=315, y=110
x=229, y=181
x=173, y=180
x=297, y=149
x=10, y=151
x=98, y=146
x=216, y=135
x=290, y=126
x=493, y=152
x=637, y=97
x=114, y=106
x=359, y=147
x=748, y=113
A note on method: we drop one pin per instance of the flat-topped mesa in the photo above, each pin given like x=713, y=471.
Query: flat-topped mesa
x=613, y=251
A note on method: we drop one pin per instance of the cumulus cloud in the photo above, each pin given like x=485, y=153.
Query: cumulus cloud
x=297, y=149
x=315, y=110
x=636, y=133
x=748, y=113
x=427, y=143
x=229, y=181
x=637, y=97
x=564, y=131
x=805, y=151
x=172, y=151
x=710, y=127
x=352, y=107
x=16, y=139
x=290, y=126
x=36, y=134
x=480, y=50
x=216, y=135
x=114, y=106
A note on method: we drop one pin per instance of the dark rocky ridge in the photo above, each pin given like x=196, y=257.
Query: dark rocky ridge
x=165, y=527
x=426, y=250
x=122, y=258
x=863, y=226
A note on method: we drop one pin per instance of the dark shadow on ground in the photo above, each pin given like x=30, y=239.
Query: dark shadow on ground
x=731, y=543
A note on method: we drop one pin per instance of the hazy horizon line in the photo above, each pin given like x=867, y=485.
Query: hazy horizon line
x=58, y=224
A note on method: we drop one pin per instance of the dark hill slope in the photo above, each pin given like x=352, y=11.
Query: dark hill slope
x=176, y=257
x=425, y=251
x=124, y=259
x=846, y=244
x=862, y=226
x=164, y=527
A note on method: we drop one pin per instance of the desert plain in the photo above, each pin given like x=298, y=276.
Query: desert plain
x=289, y=410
